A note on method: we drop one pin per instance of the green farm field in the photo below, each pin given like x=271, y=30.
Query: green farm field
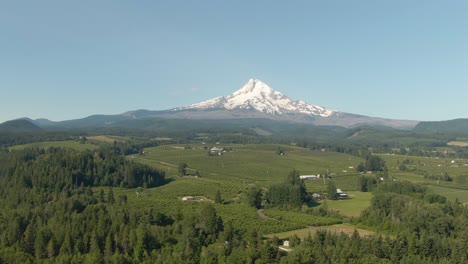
x=241, y=166
x=234, y=172
x=247, y=164
x=451, y=193
x=168, y=199
x=433, y=166
x=436, y=166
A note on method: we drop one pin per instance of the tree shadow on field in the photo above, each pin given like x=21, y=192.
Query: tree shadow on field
x=167, y=181
x=312, y=203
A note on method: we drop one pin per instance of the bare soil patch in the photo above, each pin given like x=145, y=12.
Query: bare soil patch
x=458, y=143
x=105, y=139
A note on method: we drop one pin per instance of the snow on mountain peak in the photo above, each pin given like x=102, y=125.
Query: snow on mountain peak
x=255, y=86
x=256, y=95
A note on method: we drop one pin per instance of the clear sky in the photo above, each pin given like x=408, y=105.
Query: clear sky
x=70, y=59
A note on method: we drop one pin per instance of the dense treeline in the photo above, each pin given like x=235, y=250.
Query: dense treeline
x=130, y=147
x=422, y=228
x=338, y=141
x=372, y=163
x=289, y=194
x=325, y=247
x=85, y=227
x=430, y=227
x=11, y=139
x=58, y=168
x=49, y=213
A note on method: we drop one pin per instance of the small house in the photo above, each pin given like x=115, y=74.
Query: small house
x=216, y=149
x=309, y=177
x=341, y=194
x=188, y=198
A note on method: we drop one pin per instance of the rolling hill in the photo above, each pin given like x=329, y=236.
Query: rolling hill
x=19, y=125
x=456, y=126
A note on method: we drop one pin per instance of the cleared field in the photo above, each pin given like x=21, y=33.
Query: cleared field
x=262, y=132
x=351, y=207
x=305, y=232
x=64, y=144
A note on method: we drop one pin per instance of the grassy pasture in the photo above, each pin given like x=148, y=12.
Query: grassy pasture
x=351, y=207
x=64, y=144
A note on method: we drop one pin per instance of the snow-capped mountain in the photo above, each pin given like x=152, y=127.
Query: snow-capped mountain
x=256, y=95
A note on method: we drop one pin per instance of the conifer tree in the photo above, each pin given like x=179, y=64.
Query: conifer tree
x=218, y=198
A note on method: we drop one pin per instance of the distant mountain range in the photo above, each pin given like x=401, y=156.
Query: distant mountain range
x=258, y=100
x=254, y=100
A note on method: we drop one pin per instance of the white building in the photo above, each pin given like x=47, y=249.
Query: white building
x=309, y=177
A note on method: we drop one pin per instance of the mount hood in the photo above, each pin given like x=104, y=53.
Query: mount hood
x=258, y=96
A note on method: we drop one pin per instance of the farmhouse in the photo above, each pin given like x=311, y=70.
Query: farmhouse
x=309, y=177
x=188, y=198
x=341, y=194
x=216, y=149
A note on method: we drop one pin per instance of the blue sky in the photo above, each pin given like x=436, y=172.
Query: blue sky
x=70, y=59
